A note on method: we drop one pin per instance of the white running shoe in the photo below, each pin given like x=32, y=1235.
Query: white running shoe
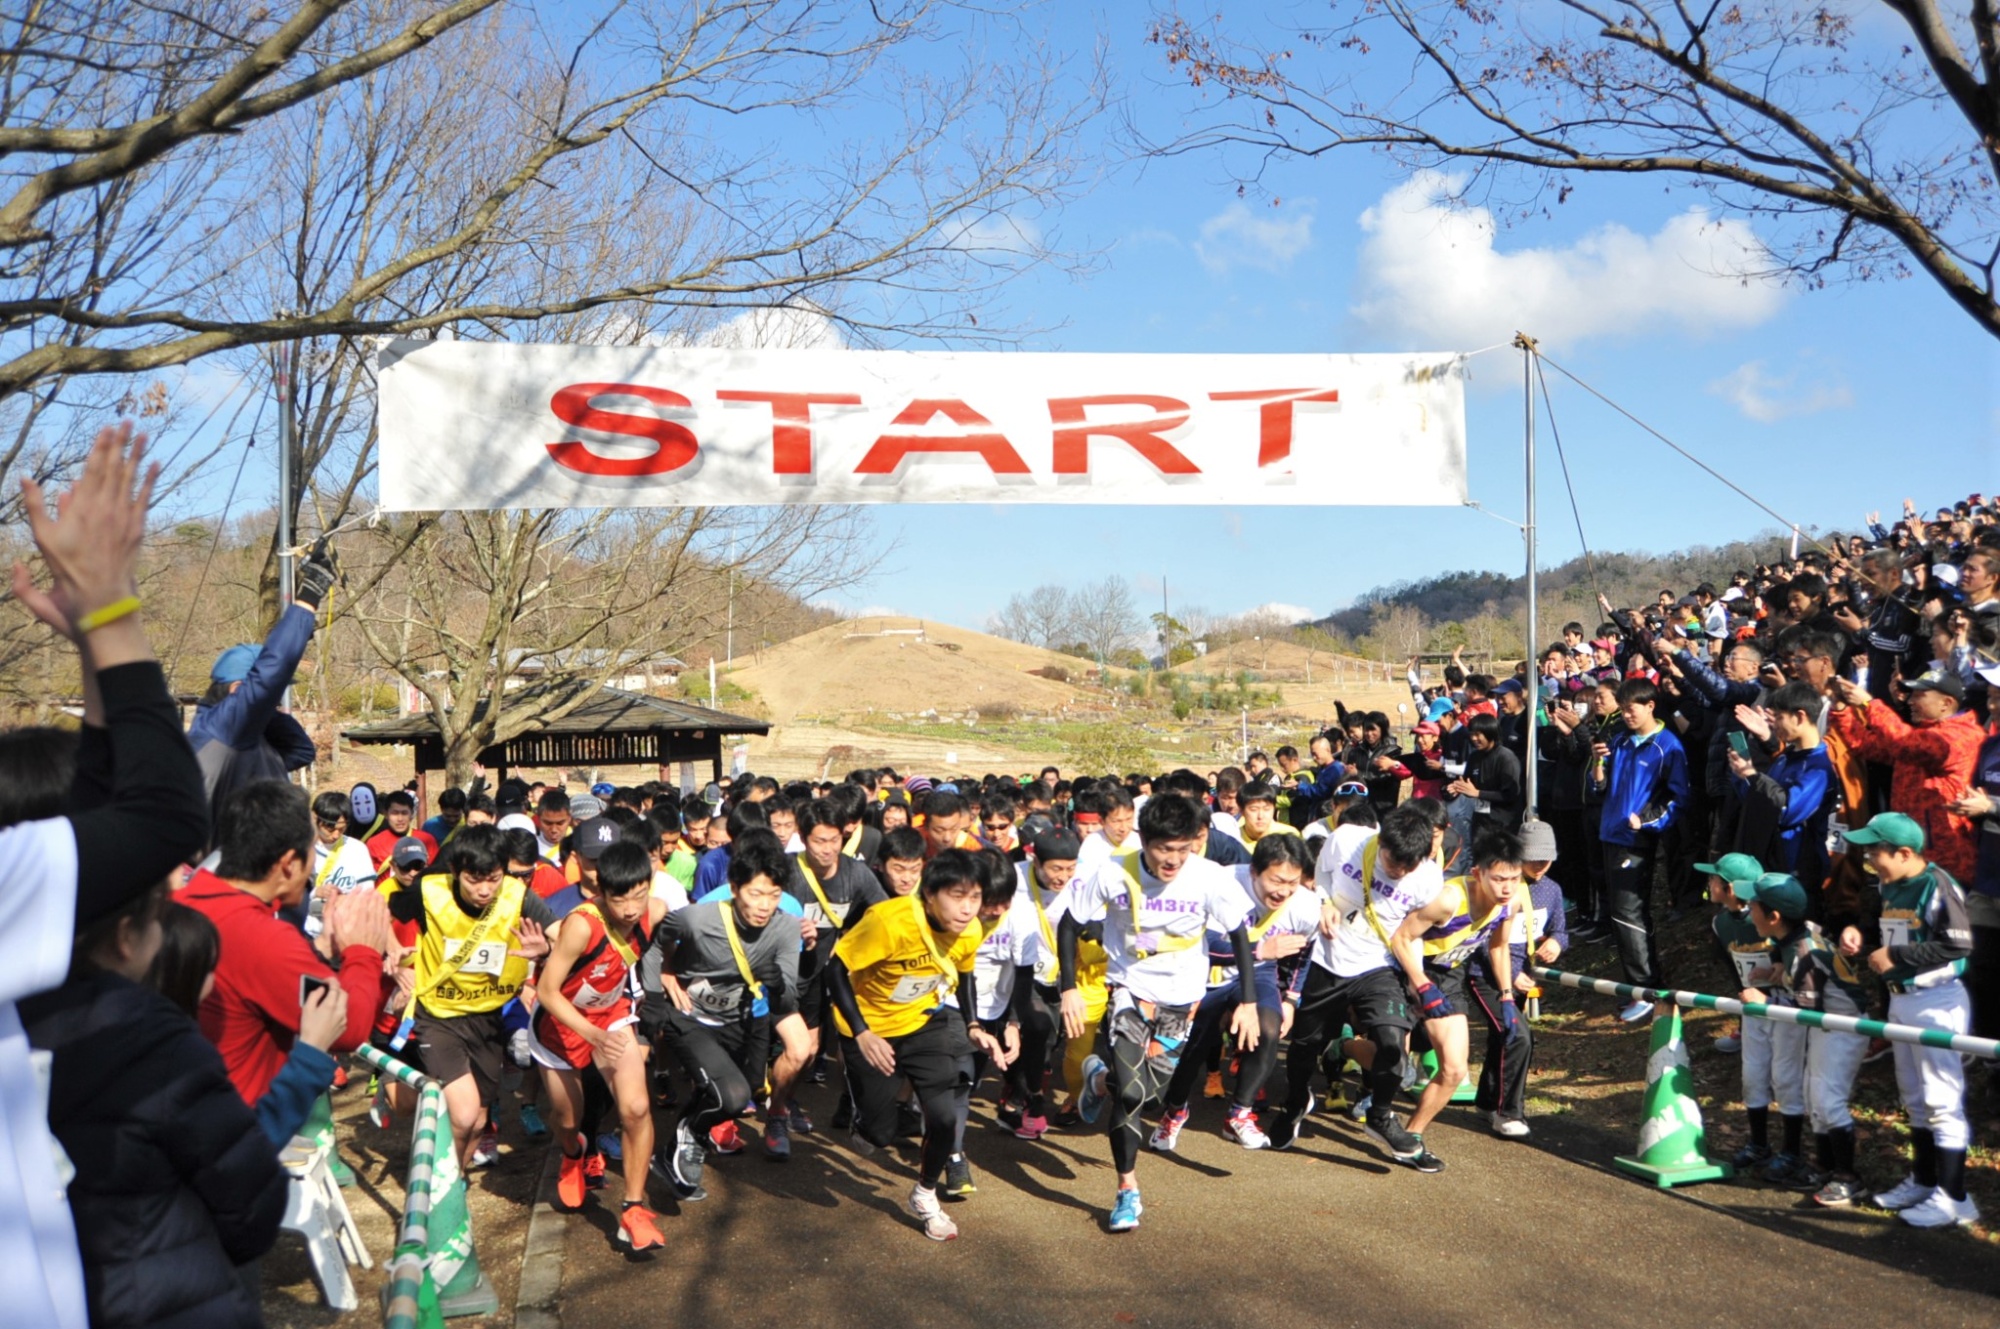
x=1940, y=1210
x=924, y=1206
x=1511, y=1127
x=1242, y=1127
x=1167, y=1135
x=1905, y=1193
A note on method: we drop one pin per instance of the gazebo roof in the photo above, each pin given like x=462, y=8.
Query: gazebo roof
x=615, y=727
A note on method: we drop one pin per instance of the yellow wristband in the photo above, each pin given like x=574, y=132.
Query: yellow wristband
x=111, y=613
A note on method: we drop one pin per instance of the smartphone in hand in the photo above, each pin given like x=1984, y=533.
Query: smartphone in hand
x=309, y=984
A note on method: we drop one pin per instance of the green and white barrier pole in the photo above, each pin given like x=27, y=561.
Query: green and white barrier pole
x=435, y=1273
x=1757, y=1010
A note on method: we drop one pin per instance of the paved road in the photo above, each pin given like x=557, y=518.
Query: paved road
x=1327, y=1234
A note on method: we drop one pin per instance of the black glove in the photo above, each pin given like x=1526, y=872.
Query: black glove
x=316, y=575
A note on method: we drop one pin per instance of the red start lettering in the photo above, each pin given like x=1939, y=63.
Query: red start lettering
x=674, y=444
x=792, y=442
x=890, y=449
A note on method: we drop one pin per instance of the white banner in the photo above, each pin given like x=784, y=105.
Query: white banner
x=488, y=425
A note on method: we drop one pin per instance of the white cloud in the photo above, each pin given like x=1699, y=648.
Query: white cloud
x=1431, y=272
x=788, y=327
x=1766, y=397
x=1000, y=233
x=1236, y=237
x=1288, y=613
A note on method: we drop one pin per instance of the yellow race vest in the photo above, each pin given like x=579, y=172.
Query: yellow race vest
x=463, y=965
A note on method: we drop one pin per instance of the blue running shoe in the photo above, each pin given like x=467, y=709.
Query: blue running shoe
x=532, y=1124
x=1125, y=1213
x=612, y=1145
x=1096, y=1088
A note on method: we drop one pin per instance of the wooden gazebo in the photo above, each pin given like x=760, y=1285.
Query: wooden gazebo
x=613, y=728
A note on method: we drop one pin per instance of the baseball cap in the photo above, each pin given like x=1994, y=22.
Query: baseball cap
x=1505, y=686
x=583, y=807
x=517, y=821
x=947, y=788
x=410, y=852
x=1890, y=828
x=1427, y=727
x=1937, y=680
x=1987, y=669
x=1733, y=868
x=1779, y=892
x=1057, y=846
x=594, y=835
x=1440, y=708
x=1538, y=842
x=233, y=665
x=604, y=789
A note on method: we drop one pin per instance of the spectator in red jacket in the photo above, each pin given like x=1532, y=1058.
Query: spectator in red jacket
x=265, y=836
x=1931, y=755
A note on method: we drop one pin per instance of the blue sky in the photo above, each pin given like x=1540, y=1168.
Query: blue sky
x=1822, y=403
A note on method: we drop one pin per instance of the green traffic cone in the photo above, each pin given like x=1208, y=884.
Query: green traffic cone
x=1673, y=1146
x=1467, y=1090
x=453, y=1266
x=319, y=1127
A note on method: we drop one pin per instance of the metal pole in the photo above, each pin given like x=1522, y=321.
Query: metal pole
x=287, y=482
x=1533, y=695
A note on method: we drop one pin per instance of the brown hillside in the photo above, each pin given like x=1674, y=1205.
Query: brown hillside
x=1288, y=662
x=904, y=666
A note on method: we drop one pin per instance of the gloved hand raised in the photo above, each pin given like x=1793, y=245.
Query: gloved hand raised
x=316, y=575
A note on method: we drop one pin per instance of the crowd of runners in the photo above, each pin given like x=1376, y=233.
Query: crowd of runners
x=647, y=976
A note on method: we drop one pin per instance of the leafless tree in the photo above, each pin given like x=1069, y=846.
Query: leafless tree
x=1107, y=618
x=1866, y=157
x=1045, y=617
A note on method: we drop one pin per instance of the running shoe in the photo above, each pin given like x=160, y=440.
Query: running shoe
x=1636, y=1012
x=1838, y=1193
x=1362, y=1107
x=1940, y=1210
x=1905, y=1193
x=924, y=1206
x=593, y=1171
x=612, y=1145
x=1126, y=1210
x=1009, y=1115
x=1424, y=1160
x=862, y=1144
x=1757, y=1155
x=1096, y=1088
x=800, y=1122
x=1167, y=1135
x=1032, y=1128
x=339, y=1075
x=570, y=1184
x=639, y=1228
x=1513, y=1128
x=380, y=1115
x=487, y=1152
x=1242, y=1127
x=689, y=1158
x=778, y=1139
x=532, y=1124
x=958, y=1183
x=1285, y=1129
x=1792, y=1172
x=1068, y=1119
x=1388, y=1132
x=726, y=1137
x=1214, y=1088
x=1729, y=1044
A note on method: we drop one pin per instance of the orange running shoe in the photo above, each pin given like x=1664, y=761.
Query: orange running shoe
x=572, y=1183
x=726, y=1138
x=638, y=1227
x=1214, y=1088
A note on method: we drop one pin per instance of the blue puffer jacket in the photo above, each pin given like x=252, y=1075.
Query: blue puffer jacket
x=243, y=737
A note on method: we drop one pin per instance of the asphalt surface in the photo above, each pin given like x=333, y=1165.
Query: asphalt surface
x=1540, y=1232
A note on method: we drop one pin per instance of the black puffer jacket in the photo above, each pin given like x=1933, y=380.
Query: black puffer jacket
x=175, y=1184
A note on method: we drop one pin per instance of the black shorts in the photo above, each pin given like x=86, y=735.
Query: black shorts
x=474, y=1045
x=1455, y=984
x=812, y=998
x=1376, y=1000
x=408, y=1054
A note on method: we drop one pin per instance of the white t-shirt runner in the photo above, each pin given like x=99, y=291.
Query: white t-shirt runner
x=343, y=867
x=1360, y=945
x=1148, y=960
x=1016, y=940
x=1298, y=916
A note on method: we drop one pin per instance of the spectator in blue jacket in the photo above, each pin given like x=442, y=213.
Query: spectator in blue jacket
x=1645, y=785
x=239, y=736
x=1788, y=802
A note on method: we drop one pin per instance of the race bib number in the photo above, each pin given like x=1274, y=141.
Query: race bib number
x=1454, y=957
x=915, y=987
x=1896, y=931
x=488, y=958
x=589, y=998
x=715, y=999
x=1747, y=963
x=823, y=917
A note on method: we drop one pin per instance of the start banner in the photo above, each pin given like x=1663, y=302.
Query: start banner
x=491, y=425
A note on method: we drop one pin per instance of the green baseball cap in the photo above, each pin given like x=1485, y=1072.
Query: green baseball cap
x=1892, y=828
x=1733, y=868
x=1779, y=892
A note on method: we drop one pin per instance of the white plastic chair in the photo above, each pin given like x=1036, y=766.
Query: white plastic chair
x=315, y=1209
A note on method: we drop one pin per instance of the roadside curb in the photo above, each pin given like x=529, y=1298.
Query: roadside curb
x=541, y=1255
